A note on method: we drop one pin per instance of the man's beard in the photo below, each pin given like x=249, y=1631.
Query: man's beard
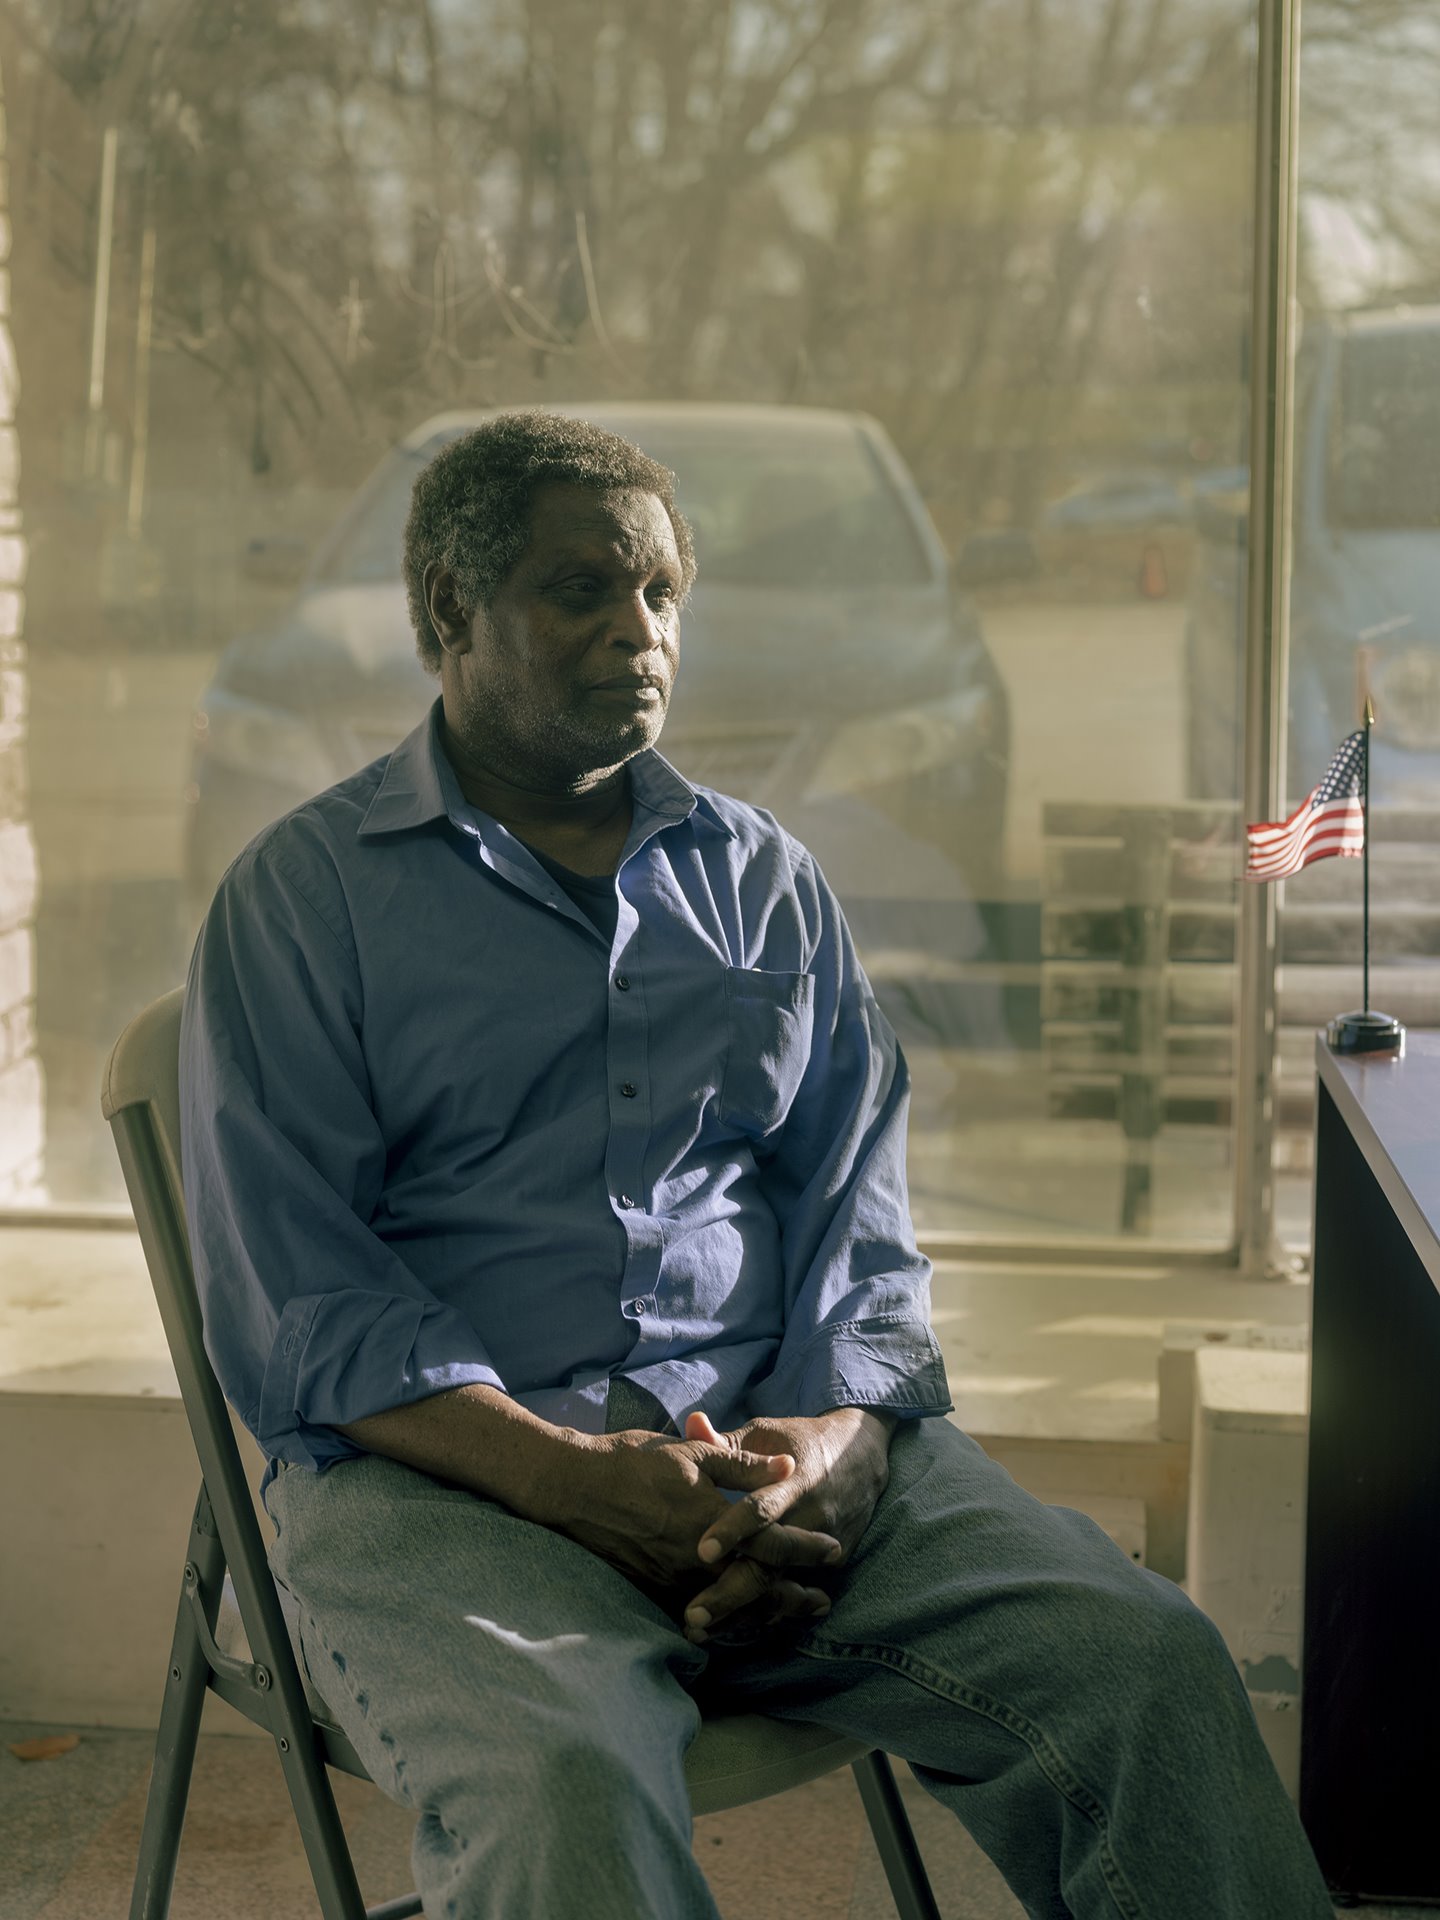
x=565, y=748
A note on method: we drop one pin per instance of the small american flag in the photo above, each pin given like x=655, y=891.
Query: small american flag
x=1328, y=821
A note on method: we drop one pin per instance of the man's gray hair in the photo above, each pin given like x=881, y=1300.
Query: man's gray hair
x=470, y=506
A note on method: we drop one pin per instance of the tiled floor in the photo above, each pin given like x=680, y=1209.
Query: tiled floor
x=71, y=1828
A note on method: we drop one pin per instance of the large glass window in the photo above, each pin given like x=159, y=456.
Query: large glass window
x=1365, y=583
x=938, y=311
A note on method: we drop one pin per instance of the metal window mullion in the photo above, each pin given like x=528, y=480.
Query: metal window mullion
x=1267, y=612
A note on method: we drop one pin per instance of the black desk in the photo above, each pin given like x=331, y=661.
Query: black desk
x=1370, y=1729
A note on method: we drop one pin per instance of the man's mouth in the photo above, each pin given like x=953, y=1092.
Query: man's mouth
x=630, y=687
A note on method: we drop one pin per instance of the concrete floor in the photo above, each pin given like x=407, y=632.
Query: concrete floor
x=72, y=1828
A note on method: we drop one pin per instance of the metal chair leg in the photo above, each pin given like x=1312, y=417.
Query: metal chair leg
x=179, y=1729
x=894, y=1840
x=311, y=1797
x=321, y=1833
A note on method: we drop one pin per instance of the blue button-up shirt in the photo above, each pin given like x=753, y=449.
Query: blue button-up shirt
x=436, y=1130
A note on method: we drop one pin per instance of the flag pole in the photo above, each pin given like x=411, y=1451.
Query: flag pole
x=1366, y=1031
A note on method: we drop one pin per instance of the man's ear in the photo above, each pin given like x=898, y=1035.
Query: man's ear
x=448, y=615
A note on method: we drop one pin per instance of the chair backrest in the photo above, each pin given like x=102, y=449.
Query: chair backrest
x=144, y=1072
x=140, y=1097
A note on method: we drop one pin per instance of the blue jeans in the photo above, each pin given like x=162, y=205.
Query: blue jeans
x=1080, y=1717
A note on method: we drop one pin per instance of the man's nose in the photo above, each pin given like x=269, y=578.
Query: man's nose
x=636, y=625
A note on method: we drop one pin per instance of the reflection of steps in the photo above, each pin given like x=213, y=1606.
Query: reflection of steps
x=1140, y=918
x=1137, y=941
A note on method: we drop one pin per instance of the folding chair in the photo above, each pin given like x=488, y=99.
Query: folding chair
x=251, y=1662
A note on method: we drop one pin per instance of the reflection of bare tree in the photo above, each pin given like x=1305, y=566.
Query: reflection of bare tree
x=980, y=219
x=363, y=210
x=1370, y=159
x=1056, y=178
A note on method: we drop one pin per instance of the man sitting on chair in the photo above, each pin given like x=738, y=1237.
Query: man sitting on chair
x=544, y=1158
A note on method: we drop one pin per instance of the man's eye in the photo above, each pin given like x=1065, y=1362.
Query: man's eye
x=664, y=592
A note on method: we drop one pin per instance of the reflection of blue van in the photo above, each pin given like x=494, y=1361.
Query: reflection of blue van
x=1365, y=583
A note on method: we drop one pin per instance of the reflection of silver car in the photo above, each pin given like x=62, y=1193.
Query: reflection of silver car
x=1365, y=580
x=830, y=669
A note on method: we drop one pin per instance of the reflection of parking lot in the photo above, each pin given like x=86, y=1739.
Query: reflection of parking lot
x=1095, y=697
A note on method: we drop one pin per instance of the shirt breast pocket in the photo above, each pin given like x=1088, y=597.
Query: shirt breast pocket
x=769, y=1022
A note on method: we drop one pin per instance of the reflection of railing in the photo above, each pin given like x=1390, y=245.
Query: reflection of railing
x=1138, y=978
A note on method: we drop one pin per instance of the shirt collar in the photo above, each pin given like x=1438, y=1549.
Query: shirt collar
x=412, y=789
x=419, y=785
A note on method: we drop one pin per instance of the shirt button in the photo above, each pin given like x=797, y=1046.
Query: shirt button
x=626, y=1201
x=639, y=1306
x=628, y=1089
x=622, y=982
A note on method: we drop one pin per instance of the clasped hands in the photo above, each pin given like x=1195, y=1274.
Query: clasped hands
x=653, y=1507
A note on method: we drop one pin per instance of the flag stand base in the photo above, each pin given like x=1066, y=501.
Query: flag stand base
x=1367, y=1032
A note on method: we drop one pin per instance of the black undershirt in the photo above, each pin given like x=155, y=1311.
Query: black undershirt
x=593, y=893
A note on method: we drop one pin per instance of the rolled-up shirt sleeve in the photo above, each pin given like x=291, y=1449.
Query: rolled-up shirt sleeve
x=857, y=1291
x=311, y=1320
